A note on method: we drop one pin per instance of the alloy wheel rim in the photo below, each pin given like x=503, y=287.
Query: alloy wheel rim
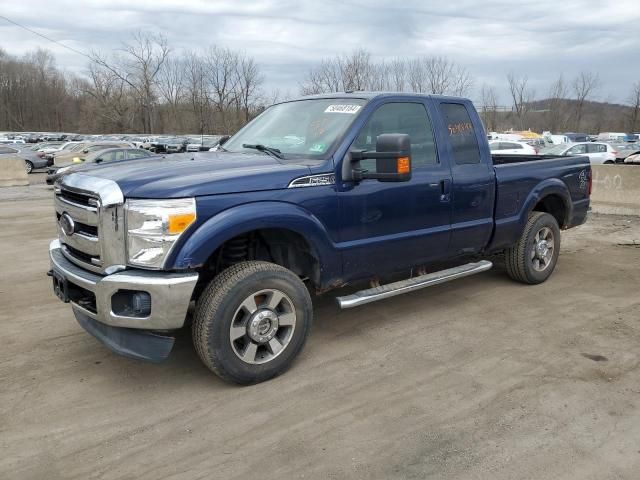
x=262, y=326
x=543, y=249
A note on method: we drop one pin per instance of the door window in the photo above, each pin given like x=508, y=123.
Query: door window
x=409, y=118
x=577, y=150
x=462, y=134
x=119, y=155
x=140, y=154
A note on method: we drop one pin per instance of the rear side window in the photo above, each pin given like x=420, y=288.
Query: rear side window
x=596, y=148
x=462, y=134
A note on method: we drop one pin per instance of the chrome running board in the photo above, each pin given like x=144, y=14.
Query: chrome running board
x=416, y=283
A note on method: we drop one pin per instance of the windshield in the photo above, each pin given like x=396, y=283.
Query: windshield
x=304, y=128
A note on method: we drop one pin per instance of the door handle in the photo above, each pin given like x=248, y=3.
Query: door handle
x=445, y=190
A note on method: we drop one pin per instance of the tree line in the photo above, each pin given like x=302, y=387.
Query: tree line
x=145, y=86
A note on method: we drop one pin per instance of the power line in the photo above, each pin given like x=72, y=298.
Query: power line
x=46, y=38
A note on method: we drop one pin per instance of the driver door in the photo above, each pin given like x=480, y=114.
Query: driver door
x=387, y=226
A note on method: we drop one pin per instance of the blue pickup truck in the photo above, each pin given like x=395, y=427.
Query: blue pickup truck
x=313, y=194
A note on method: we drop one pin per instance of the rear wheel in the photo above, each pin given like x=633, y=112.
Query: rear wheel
x=28, y=166
x=533, y=259
x=251, y=322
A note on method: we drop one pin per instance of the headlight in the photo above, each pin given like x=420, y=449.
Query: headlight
x=63, y=169
x=153, y=227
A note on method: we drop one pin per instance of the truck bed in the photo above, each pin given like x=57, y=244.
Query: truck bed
x=499, y=159
x=516, y=174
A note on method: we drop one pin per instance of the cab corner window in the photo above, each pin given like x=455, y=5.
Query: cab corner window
x=461, y=132
x=407, y=118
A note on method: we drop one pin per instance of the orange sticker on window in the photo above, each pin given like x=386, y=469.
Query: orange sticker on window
x=458, y=128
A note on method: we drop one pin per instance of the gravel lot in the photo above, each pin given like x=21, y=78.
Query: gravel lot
x=480, y=378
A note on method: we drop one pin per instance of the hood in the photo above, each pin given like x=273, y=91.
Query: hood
x=197, y=174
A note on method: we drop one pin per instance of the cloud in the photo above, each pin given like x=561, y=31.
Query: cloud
x=540, y=39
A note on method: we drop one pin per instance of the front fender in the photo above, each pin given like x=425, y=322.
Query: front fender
x=195, y=251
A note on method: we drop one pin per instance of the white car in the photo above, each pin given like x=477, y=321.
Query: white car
x=633, y=159
x=505, y=147
x=598, y=152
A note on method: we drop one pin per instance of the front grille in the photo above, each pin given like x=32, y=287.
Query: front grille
x=82, y=256
x=78, y=198
x=91, y=210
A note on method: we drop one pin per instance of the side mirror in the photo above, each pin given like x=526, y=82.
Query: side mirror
x=99, y=160
x=223, y=140
x=86, y=150
x=392, y=156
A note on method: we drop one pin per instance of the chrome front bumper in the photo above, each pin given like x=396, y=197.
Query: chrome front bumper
x=170, y=293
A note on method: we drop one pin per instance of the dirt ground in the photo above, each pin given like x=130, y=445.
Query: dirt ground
x=481, y=378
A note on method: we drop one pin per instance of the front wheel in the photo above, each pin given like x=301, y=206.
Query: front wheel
x=533, y=259
x=251, y=322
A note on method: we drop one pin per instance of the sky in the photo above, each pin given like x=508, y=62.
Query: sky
x=536, y=38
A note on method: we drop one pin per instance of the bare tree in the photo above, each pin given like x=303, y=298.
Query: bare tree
x=522, y=96
x=223, y=79
x=445, y=77
x=249, y=82
x=196, y=91
x=556, y=109
x=171, y=86
x=584, y=85
x=634, y=101
x=113, y=103
x=489, y=107
x=139, y=65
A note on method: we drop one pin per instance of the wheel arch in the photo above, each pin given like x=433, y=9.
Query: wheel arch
x=274, y=223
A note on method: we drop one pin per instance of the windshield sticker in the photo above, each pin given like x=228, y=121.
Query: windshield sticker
x=293, y=140
x=317, y=147
x=351, y=109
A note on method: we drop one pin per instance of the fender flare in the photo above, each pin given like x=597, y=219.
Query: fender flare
x=550, y=186
x=208, y=237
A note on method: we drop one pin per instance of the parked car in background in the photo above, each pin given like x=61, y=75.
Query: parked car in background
x=195, y=143
x=159, y=144
x=204, y=144
x=611, y=137
x=632, y=159
x=624, y=150
x=95, y=159
x=537, y=143
x=556, y=139
x=511, y=148
x=176, y=145
x=79, y=155
x=31, y=159
x=577, y=137
x=598, y=152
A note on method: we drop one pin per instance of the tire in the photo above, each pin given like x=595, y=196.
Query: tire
x=609, y=162
x=28, y=166
x=225, y=306
x=528, y=264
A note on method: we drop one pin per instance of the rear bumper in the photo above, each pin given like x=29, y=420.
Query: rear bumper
x=170, y=293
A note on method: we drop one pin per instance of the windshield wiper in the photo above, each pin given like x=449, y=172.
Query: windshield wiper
x=263, y=148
